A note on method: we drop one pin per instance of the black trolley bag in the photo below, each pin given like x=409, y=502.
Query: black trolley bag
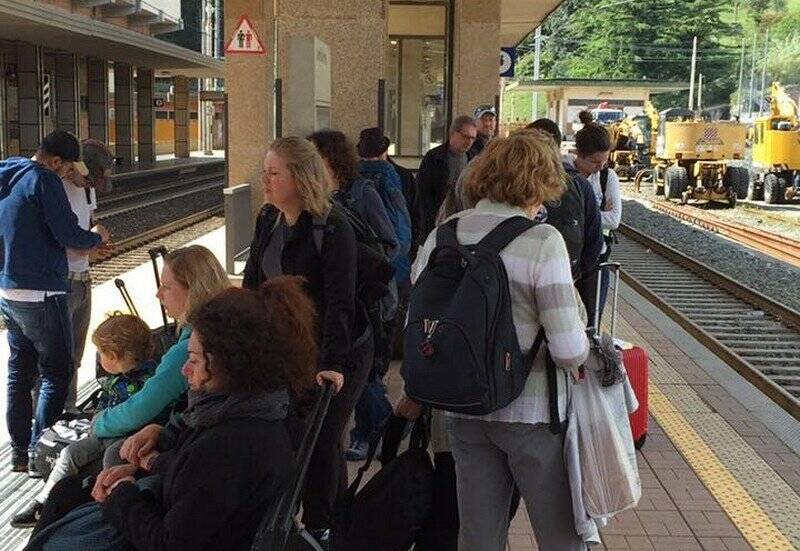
x=279, y=530
x=394, y=506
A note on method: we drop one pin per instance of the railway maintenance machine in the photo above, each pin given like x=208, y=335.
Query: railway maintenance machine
x=776, y=151
x=694, y=159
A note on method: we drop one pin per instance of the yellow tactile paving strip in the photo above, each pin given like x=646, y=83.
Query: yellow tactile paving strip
x=756, y=499
x=746, y=514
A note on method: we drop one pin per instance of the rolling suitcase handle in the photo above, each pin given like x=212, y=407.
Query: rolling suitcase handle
x=155, y=252
x=126, y=297
x=271, y=535
x=614, y=267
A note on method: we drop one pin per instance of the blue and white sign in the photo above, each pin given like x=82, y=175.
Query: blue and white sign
x=508, y=58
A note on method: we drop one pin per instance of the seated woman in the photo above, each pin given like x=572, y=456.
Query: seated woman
x=231, y=457
x=190, y=276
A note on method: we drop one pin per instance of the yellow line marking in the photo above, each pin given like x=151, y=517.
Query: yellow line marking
x=751, y=520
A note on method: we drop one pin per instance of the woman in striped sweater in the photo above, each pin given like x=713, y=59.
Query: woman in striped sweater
x=514, y=445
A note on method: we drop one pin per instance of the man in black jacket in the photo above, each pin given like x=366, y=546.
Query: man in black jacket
x=440, y=169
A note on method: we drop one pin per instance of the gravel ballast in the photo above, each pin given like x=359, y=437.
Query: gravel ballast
x=773, y=278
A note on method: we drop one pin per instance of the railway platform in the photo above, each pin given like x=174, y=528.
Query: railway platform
x=720, y=468
x=164, y=170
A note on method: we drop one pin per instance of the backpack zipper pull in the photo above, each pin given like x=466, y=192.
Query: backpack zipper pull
x=508, y=361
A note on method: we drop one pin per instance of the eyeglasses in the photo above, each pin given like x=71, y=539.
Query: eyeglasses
x=468, y=137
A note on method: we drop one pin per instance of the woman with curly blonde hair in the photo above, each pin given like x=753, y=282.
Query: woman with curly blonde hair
x=513, y=177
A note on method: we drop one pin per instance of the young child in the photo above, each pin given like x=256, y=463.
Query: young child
x=125, y=348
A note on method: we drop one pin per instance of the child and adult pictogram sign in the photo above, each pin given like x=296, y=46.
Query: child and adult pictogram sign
x=244, y=39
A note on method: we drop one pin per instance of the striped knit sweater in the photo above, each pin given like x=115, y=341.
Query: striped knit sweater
x=542, y=294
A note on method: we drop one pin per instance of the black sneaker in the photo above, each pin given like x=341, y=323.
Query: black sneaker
x=28, y=517
x=19, y=460
x=33, y=472
x=323, y=537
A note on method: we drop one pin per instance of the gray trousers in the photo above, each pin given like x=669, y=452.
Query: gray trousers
x=79, y=302
x=490, y=458
x=72, y=458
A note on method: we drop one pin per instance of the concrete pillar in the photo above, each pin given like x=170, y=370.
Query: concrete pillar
x=476, y=65
x=123, y=112
x=97, y=98
x=357, y=33
x=30, y=98
x=145, y=114
x=67, y=92
x=181, y=106
x=249, y=83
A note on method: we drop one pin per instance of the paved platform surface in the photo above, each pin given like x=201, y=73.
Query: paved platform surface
x=720, y=469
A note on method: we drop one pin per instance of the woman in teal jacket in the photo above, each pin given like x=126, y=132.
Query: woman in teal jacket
x=191, y=275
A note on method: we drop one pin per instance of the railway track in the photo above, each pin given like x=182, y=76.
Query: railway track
x=769, y=243
x=755, y=335
x=140, y=240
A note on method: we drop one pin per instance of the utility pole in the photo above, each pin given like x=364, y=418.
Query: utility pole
x=764, y=74
x=207, y=119
x=700, y=93
x=752, y=79
x=536, y=59
x=741, y=80
x=691, y=77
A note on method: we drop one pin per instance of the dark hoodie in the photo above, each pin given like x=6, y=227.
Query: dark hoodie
x=36, y=226
x=230, y=459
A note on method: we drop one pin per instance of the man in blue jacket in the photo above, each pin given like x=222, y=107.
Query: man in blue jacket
x=37, y=227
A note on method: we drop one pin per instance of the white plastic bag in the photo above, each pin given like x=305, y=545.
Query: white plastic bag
x=609, y=474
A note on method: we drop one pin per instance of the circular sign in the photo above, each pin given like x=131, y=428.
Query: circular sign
x=505, y=62
x=158, y=102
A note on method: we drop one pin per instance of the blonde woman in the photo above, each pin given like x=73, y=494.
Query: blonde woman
x=300, y=232
x=514, y=176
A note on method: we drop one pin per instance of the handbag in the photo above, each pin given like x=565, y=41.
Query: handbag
x=392, y=508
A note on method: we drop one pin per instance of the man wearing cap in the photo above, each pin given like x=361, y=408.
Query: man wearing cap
x=486, y=121
x=82, y=198
x=38, y=225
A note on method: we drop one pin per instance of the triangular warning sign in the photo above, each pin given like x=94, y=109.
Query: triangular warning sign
x=244, y=39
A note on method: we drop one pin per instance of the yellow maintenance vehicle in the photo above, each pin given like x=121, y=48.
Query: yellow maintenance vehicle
x=776, y=151
x=630, y=142
x=694, y=158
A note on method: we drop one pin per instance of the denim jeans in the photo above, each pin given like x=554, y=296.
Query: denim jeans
x=372, y=410
x=40, y=343
x=80, y=312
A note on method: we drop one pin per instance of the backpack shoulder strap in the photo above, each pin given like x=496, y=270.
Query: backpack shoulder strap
x=319, y=225
x=446, y=234
x=506, y=232
x=604, y=182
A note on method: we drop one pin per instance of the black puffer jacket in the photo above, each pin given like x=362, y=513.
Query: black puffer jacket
x=330, y=276
x=217, y=483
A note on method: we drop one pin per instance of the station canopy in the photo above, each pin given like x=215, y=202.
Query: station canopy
x=519, y=17
x=45, y=25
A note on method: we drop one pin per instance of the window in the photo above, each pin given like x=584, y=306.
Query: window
x=163, y=115
x=416, y=77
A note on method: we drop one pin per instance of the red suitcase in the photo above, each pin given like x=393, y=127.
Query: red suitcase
x=635, y=361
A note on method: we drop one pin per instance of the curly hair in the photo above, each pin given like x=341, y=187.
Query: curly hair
x=261, y=340
x=124, y=335
x=340, y=154
x=521, y=170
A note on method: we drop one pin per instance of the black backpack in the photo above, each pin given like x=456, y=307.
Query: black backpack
x=567, y=215
x=394, y=506
x=461, y=352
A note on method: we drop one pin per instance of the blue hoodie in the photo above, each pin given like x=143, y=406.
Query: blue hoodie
x=36, y=226
x=388, y=185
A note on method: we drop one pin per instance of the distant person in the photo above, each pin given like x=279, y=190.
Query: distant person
x=439, y=170
x=81, y=193
x=485, y=117
x=585, y=117
x=125, y=348
x=593, y=145
x=408, y=183
x=37, y=227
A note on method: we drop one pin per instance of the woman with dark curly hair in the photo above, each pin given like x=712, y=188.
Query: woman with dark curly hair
x=220, y=465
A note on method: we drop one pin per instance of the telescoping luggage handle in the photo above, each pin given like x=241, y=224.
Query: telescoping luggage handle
x=612, y=267
x=126, y=297
x=155, y=252
x=271, y=535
